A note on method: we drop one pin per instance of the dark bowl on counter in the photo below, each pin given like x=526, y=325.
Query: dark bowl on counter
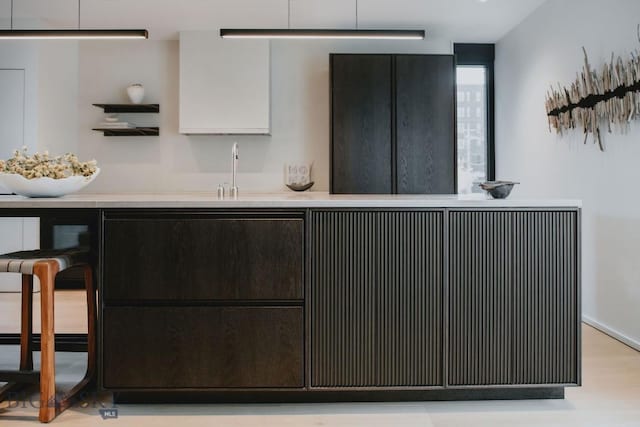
x=300, y=187
x=498, y=189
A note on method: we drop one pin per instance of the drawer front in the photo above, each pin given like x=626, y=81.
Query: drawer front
x=203, y=347
x=203, y=259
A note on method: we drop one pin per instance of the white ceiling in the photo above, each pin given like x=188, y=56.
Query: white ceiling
x=456, y=20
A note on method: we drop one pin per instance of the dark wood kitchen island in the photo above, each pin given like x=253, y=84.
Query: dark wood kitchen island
x=311, y=297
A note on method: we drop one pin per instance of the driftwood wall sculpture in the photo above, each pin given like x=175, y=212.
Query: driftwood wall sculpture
x=611, y=97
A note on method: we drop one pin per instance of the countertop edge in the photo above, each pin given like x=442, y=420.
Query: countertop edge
x=277, y=201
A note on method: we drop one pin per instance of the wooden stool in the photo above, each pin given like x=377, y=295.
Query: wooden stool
x=46, y=265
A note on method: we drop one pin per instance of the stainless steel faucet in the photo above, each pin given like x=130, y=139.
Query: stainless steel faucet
x=234, y=171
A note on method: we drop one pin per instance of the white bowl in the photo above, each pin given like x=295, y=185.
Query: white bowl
x=45, y=187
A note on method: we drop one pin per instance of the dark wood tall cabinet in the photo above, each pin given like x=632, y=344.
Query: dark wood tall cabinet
x=393, y=124
x=361, y=124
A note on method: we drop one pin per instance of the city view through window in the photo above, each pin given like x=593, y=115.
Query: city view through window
x=472, y=128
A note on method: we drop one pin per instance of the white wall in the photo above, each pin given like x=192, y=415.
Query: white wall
x=58, y=96
x=174, y=162
x=546, y=49
x=21, y=233
x=23, y=54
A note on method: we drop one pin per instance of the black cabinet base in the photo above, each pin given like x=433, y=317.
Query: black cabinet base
x=323, y=396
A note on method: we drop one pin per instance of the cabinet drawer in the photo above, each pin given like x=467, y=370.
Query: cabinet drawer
x=203, y=259
x=203, y=347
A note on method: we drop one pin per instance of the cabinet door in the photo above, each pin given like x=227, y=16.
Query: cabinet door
x=182, y=258
x=480, y=298
x=361, y=159
x=203, y=347
x=425, y=124
x=546, y=298
x=513, y=298
x=376, y=307
x=225, y=85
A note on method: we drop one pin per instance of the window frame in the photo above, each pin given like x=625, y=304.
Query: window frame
x=482, y=54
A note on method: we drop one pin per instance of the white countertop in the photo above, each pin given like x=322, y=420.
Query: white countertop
x=278, y=200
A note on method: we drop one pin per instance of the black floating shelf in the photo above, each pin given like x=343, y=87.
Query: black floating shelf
x=146, y=131
x=129, y=108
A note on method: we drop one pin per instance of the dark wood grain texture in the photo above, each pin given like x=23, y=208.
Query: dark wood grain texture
x=361, y=102
x=141, y=131
x=393, y=125
x=376, y=281
x=203, y=347
x=514, y=312
x=324, y=396
x=480, y=298
x=546, y=298
x=203, y=259
x=425, y=124
x=129, y=108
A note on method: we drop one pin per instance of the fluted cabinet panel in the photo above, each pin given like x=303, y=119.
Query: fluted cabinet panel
x=344, y=299
x=514, y=298
x=410, y=299
x=376, y=310
x=545, y=298
x=480, y=271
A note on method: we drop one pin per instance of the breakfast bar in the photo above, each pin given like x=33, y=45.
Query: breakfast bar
x=314, y=297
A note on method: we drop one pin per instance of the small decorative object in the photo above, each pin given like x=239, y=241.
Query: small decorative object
x=298, y=176
x=116, y=125
x=112, y=121
x=611, y=96
x=498, y=189
x=298, y=187
x=41, y=175
x=136, y=93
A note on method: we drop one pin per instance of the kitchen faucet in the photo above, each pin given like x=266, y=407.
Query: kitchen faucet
x=234, y=171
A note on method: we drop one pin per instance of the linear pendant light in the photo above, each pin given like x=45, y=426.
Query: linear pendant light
x=292, y=33
x=73, y=34
x=229, y=33
x=79, y=34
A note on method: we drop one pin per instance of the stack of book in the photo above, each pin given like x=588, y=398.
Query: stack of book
x=116, y=125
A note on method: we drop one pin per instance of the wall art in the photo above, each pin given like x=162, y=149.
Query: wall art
x=609, y=97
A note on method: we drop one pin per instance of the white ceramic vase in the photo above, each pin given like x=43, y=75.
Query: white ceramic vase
x=136, y=93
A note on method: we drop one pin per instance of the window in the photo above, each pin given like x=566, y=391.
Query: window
x=475, y=149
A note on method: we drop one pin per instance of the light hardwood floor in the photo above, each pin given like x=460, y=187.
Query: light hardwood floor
x=610, y=396
x=70, y=312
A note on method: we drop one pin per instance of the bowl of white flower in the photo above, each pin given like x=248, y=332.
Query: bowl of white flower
x=41, y=175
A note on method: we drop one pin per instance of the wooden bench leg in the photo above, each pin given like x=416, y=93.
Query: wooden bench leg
x=46, y=271
x=26, y=324
x=50, y=405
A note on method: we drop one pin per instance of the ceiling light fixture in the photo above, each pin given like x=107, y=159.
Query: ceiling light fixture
x=290, y=33
x=78, y=34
